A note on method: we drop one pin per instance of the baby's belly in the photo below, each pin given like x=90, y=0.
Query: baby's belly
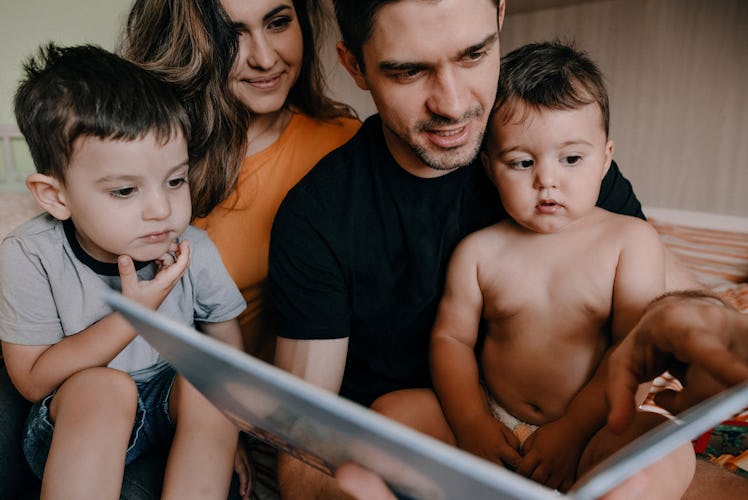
x=536, y=386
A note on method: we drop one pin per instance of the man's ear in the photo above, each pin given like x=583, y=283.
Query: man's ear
x=351, y=65
x=502, y=9
x=49, y=194
x=485, y=159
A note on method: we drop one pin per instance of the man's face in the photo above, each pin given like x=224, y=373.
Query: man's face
x=432, y=69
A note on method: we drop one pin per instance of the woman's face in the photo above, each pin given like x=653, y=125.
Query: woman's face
x=270, y=52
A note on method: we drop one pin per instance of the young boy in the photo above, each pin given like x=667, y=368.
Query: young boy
x=109, y=142
x=553, y=287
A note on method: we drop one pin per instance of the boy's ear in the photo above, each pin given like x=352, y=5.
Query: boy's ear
x=49, y=194
x=351, y=65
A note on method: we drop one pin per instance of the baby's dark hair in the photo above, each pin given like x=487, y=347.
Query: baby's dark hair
x=72, y=92
x=551, y=75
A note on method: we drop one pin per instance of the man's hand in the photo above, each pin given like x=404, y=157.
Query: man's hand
x=696, y=337
x=151, y=293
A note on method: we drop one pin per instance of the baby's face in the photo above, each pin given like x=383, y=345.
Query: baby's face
x=547, y=164
x=128, y=197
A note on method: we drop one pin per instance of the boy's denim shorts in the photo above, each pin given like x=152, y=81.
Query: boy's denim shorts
x=152, y=428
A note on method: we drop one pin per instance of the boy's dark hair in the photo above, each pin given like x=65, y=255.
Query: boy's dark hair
x=70, y=92
x=356, y=21
x=551, y=75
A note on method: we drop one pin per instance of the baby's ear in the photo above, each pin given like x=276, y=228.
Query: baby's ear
x=49, y=194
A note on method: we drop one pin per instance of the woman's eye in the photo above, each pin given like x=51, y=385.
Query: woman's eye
x=279, y=23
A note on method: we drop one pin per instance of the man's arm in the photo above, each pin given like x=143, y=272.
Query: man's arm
x=319, y=362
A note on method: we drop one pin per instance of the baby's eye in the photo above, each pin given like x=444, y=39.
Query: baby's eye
x=177, y=182
x=571, y=160
x=125, y=192
x=521, y=164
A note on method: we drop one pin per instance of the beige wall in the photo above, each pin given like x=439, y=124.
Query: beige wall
x=677, y=72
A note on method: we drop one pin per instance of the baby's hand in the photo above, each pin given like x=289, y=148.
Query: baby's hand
x=151, y=293
x=551, y=455
x=493, y=441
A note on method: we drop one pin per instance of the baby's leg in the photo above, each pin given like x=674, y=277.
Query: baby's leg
x=93, y=414
x=667, y=478
x=418, y=409
x=201, y=458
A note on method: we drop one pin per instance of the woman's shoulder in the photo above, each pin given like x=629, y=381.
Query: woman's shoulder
x=337, y=130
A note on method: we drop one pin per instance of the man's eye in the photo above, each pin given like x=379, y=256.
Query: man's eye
x=475, y=56
x=407, y=75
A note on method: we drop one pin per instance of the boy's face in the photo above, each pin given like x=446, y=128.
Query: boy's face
x=128, y=197
x=547, y=164
x=432, y=70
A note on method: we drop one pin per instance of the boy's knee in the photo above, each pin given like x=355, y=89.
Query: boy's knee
x=101, y=390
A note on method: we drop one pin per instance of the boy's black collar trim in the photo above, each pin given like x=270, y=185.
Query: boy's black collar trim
x=102, y=268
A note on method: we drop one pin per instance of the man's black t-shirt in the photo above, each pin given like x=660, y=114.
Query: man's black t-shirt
x=360, y=248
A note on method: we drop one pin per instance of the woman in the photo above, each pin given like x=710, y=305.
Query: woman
x=249, y=74
x=251, y=78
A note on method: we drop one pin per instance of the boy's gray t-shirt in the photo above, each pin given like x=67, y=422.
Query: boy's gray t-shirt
x=48, y=293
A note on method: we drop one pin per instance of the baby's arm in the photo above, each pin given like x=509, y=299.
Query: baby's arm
x=37, y=370
x=455, y=369
x=552, y=453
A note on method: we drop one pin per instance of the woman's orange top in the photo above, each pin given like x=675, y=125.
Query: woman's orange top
x=240, y=226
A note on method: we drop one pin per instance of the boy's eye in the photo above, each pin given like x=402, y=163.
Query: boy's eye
x=571, y=160
x=123, y=192
x=177, y=182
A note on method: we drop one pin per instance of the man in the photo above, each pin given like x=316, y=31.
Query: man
x=360, y=246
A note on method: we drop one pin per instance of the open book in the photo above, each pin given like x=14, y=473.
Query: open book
x=325, y=430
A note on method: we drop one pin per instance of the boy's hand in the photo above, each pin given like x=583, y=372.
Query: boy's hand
x=491, y=440
x=551, y=455
x=243, y=469
x=152, y=293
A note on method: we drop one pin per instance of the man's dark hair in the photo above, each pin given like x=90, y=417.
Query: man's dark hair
x=551, y=75
x=356, y=22
x=72, y=92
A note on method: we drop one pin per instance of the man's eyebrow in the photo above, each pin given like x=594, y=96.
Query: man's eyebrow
x=395, y=66
x=490, y=39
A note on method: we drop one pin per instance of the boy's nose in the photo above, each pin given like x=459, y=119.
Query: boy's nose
x=157, y=207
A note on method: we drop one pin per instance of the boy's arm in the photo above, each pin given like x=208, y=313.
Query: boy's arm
x=37, y=370
x=552, y=453
x=229, y=332
x=454, y=367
